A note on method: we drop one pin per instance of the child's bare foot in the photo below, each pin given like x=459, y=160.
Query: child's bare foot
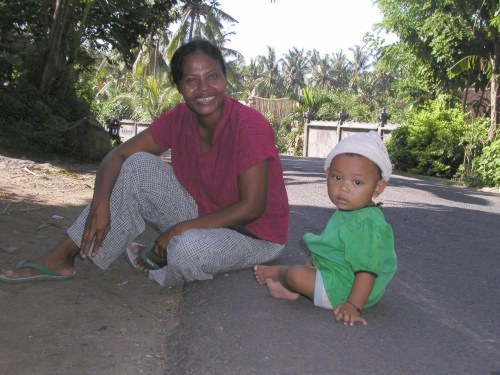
x=277, y=290
x=262, y=273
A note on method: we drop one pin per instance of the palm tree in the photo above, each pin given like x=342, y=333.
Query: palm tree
x=340, y=74
x=147, y=96
x=359, y=64
x=310, y=102
x=199, y=18
x=321, y=72
x=150, y=54
x=269, y=82
x=235, y=70
x=367, y=88
x=294, y=67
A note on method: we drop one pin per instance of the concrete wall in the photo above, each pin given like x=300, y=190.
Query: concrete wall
x=131, y=128
x=321, y=136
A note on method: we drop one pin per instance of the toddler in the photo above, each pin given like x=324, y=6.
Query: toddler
x=353, y=259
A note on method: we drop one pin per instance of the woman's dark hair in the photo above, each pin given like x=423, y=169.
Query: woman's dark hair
x=197, y=45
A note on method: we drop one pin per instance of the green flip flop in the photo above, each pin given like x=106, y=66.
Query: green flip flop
x=131, y=257
x=46, y=274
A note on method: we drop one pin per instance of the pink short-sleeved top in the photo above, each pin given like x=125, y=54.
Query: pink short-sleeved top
x=243, y=138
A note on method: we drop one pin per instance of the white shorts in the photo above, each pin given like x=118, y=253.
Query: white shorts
x=320, y=297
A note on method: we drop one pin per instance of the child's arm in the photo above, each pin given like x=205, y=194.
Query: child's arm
x=350, y=311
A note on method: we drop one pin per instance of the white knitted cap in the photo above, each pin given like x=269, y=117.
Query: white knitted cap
x=368, y=145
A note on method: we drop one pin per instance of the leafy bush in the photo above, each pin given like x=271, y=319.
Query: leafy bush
x=487, y=165
x=475, y=139
x=431, y=143
x=399, y=151
x=35, y=122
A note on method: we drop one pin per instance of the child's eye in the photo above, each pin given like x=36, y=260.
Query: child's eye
x=336, y=178
x=357, y=182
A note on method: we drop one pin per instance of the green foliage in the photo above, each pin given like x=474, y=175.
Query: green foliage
x=287, y=133
x=437, y=41
x=487, y=165
x=311, y=100
x=96, y=74
x=358, y=110
x=280, y=132
x=148, y=97
x=199, y=19
x=35, y=122
x=471, y=63
x=431, y=143
x=474, y=141
x=138, y=95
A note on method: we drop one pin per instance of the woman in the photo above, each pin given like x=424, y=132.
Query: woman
x=221, y=206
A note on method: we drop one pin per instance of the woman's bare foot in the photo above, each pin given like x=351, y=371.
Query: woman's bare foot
x=60, y=259
x=277, y=290
x=133, y=254
x=262, y=273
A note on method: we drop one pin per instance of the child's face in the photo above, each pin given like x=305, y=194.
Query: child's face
x=353, y=181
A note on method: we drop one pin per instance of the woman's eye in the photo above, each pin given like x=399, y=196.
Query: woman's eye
x=213, y=76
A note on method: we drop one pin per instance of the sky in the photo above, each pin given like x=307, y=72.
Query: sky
x=326, y=25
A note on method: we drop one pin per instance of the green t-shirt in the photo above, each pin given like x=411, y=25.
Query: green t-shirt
x=354, y=241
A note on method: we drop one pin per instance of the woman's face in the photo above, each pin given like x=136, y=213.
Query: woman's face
x=203, y=85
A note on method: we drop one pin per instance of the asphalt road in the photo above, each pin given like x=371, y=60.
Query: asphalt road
x=439, y=315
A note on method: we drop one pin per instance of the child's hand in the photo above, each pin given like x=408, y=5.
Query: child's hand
x=348, y=314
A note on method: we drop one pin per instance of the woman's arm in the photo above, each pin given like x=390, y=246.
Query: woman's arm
x=252, y=188
x=350, y=311
x=98, y=220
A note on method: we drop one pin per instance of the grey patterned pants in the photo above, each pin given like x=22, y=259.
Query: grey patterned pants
x=147, y=190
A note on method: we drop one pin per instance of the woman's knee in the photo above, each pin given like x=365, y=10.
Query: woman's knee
x=138, y=160
x=184, y=255
x=144, y=169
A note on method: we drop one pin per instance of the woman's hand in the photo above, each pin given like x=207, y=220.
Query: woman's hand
x=99, y=218
x=96, y=228
x=348, y=314
x=161, y=243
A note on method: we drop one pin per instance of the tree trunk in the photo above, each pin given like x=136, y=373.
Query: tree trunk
x=494, y=86
x=54, y=57
x=466, y=95
x=494, y=107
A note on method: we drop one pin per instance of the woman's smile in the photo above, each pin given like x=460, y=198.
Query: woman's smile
x=206, y=100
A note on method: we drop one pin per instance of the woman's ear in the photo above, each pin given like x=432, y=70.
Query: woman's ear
x=379, y=188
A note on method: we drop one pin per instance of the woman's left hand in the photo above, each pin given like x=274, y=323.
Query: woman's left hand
x=162, y=241
x=348, y=314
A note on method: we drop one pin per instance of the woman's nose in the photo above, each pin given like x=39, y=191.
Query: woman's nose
x=203, y=84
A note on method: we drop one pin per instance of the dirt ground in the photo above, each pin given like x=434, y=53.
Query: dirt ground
x=113, y=322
